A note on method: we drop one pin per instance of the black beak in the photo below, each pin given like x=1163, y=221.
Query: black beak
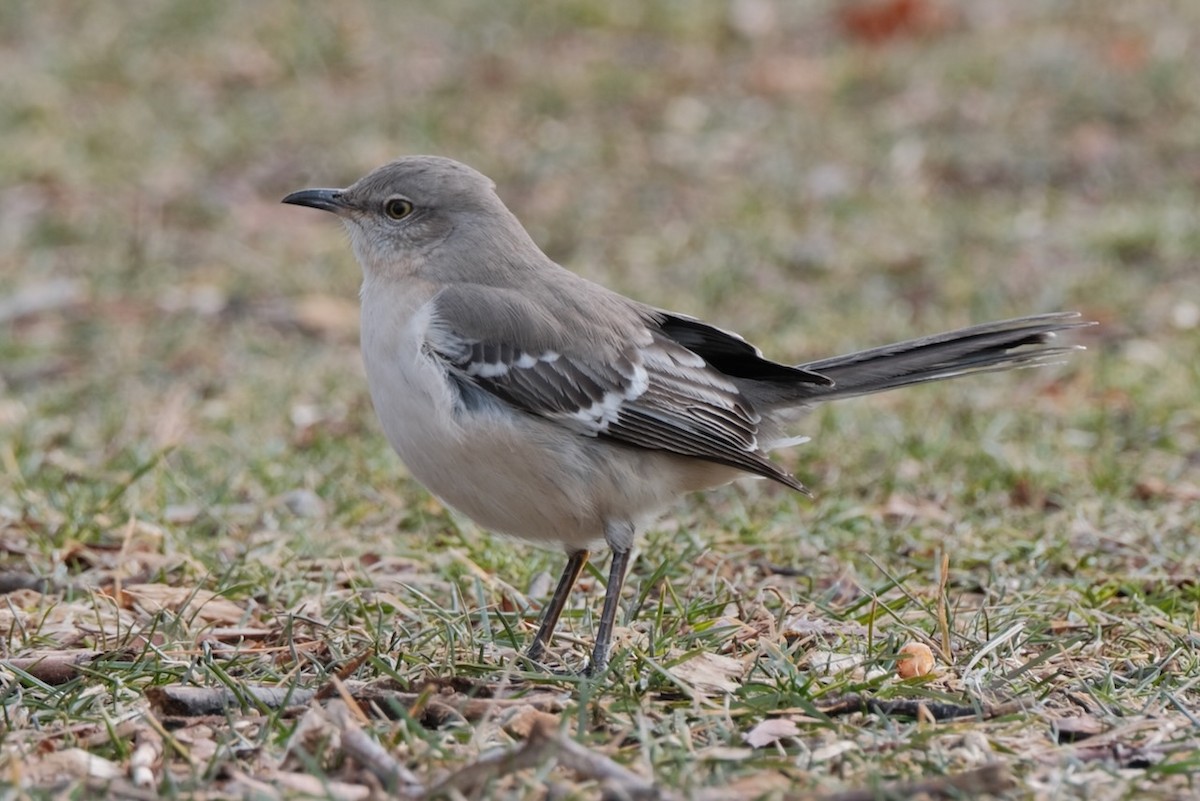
x=324, y=199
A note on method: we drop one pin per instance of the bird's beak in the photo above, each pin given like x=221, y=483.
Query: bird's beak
x=324, y=199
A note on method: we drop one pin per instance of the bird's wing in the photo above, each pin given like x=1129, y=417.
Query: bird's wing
x=634, y=385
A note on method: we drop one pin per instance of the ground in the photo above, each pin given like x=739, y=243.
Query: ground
x=195, y=496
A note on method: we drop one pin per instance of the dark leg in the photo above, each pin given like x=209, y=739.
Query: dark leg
x=553, y=610
x=608, y=617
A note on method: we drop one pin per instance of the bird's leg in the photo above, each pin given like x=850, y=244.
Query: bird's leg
x=608, y=617
x=554, y=609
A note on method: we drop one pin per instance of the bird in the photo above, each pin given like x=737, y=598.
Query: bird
x=547, y=407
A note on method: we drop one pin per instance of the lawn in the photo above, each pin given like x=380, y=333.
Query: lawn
x=218, y=581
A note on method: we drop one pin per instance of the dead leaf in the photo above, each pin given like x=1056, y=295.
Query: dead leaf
x=1127, y=52
x=877, y=21
x=313, y=787
x=1156, y=489
x=198, y=606
x=831, y=663
x=181, y=700
x=200, y=741
x=72, y=763
x=799, y=626
x=899, y=508
x=710, y=673
x=833, y=750
x=788, y=74
x=759, y=784
x=64, y=624
x=524, y=720
x=47, y=296
x=770, y=731
x=146, y=757
x=53, y=667
x=1072, y=730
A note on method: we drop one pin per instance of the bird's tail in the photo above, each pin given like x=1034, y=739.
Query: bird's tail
x=1023, y=342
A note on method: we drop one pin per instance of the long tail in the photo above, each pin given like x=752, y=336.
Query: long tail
x=1023, y=342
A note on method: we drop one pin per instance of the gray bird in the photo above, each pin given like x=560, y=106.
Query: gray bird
x=547, y=407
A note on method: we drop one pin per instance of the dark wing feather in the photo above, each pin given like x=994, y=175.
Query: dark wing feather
x=732, y=355
x=655, y=394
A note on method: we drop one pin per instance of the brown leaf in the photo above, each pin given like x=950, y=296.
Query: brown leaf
x=877, y=21
x=524, y=720
x=787, y=74
x=146, y=757
x=199, y=606
x=312, y=787
x=180, y=700
x=1127, y=52
x=799, y=626
x=1059, y=626
x=1072, y=730
x=1155, y=489
x=72, y=763
x=710, y=673
x=200, y=739
x=901, y=509
x=63, y=623
x=53, y=667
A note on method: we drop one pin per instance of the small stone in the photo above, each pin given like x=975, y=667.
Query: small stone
x=916, y=659
x=304, y=503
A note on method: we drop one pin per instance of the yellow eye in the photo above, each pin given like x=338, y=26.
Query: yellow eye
x=398, y=208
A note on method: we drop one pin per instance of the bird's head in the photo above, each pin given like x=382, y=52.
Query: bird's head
x=401, y=212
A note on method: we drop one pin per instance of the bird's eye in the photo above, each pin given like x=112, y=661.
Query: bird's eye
x=398, y=208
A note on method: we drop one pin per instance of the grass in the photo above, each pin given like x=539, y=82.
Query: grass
x=182, y=401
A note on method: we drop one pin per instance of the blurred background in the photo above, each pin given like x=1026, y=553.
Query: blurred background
x=184, y=417
x=178, y=347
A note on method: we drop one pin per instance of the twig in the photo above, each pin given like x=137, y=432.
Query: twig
x=146, y=755
x=166, y=737
x=547, y=742
x=12, y=580
x=54, y=667
x=469, y=708
x=1115, y=744
x=42, y=297
x=120, y=788
x=172, y=723
x=488, y=767
x=917, y=708
x=943, y=612
x=330, y=689
x=91, y=735
x=304, y=785
x=991, y=779
x=371, y=755
x=177, y=700
x=349, y=700
x=619, y=781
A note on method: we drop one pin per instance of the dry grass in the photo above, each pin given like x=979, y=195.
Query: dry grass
x=194, y=491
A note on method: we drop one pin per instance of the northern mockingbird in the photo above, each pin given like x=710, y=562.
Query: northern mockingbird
x=547, y=407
